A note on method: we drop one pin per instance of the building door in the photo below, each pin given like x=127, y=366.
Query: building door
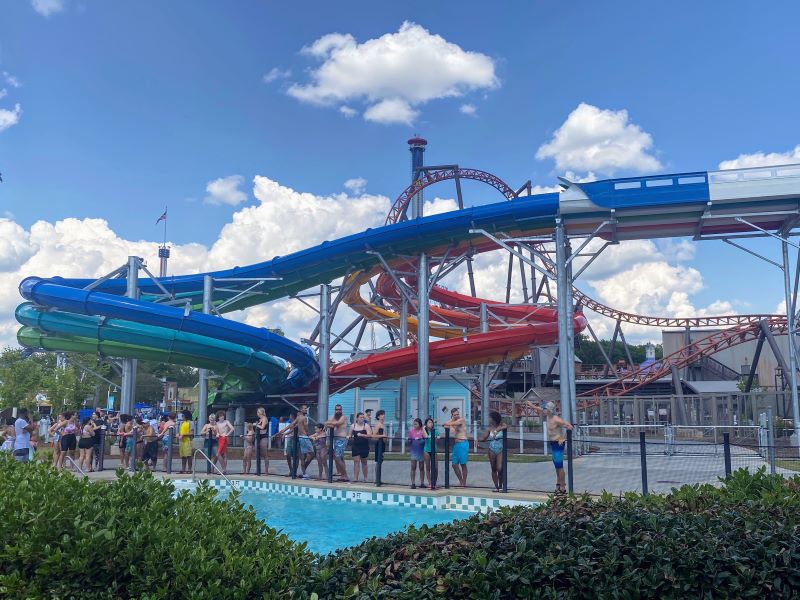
x=445, y=405
x=373, y=403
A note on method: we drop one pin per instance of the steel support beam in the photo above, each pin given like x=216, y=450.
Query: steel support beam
x=129, y=365
x=324, y=351
x=403, y=381
x=423, y=335
x=792, y=374
x=484, y=371
x=202, y=395
x=566, y=352
x=776, y=351
x=754, y=367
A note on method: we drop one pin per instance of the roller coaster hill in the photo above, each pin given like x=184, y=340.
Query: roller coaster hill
x=391, y=276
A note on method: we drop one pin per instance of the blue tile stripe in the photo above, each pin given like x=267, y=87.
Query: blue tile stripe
x=463, y=503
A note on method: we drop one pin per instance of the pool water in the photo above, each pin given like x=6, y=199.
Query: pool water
x=327, y=525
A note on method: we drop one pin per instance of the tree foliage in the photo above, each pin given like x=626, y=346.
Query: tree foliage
x=589, y=352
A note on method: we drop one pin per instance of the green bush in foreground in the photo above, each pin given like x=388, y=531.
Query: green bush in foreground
x=134, y=538
x=61, y=537
x=738, y=541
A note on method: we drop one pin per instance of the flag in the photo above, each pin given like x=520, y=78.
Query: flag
x=162, y=217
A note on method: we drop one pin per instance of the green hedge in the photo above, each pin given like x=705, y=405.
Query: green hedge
x=739, y=541
x=61, y=537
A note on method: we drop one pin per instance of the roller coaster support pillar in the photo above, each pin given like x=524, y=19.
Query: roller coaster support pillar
x=423, y=334
x=128, y=387
x=324, y=351
x=202, y=396
x=566, y=351
x=484, y=371
x=792, y=373
x=403, y=380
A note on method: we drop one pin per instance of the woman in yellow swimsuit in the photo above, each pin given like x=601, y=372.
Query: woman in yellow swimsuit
x=185, y=437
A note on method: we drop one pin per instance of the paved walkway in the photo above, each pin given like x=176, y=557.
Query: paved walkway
x=592, y=473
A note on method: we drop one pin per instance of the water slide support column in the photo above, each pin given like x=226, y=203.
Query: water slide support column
x=129, y=365
x=566, y=352
x=202, y=396
x=403, y=381
x=484, y=370
x=792, y=375
x=324, y=351
x=423, y=334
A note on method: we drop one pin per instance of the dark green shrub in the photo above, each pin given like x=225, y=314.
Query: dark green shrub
x=61, y=537
x=738, y=541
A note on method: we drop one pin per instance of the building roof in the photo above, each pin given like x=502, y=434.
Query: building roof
x=711, y=387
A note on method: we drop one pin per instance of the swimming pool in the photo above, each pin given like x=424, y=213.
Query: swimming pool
x=327, y=525
x=329, y=518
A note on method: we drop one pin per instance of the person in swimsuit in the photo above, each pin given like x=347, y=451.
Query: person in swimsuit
x=249, y=441
x=150, y=438
x=209, y=433
x=262, y=431
x=555, y=435
x=55, y=431
x=339, y=425
x=86, y=445
x=417, y=438
x=319, y=438
x=380, y=437
x=360, y=432
x=224, y=432
x=460, y=445
x=306, y=447
x=167, y=434
x=494, y=435
x=69, y=429
x=185, y=442
x=431, y=463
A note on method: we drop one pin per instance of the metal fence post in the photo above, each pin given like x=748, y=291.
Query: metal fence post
x=504, y=472
x=171, y=434
x=643, y=454
x=570, y=486
x=403, y=437
x=101, y=448
x=433, y=475
x=330, y=454
x=133, y=454
x=210, y=447
x=771, y=440
x=726, y=445
x=521, y=438
x=545, y=441
x=295, y=451
x=446, y=458
x=259, y=435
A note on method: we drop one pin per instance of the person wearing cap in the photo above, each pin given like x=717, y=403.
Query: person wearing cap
x=556, y=439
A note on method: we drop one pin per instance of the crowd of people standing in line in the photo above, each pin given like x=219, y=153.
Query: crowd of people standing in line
x=143, y=439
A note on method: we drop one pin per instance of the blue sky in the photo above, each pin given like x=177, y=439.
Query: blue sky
x=126, y=107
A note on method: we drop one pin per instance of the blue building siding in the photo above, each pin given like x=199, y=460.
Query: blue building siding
x=445, y=393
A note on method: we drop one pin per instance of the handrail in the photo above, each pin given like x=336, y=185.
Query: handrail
x=216, y=468
x=74, y=464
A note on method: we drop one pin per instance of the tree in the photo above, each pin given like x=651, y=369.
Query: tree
x=589, y=351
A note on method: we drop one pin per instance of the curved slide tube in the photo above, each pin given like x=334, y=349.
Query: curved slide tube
x=83, y=302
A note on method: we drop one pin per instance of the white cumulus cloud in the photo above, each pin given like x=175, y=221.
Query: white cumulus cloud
x=275, y=73
x=391, y=110
x=348, y=111
x=10, y=117
x=225, y=190
x=605, y=141
x=11, y=80
x=47, y=7
x=356, y=185
x=468, y=109
x=394, y=73
x=762, y=159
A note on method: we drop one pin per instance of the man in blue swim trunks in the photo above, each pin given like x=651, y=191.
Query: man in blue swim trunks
x=458, y=430
x=555, y=436
x=339, y=425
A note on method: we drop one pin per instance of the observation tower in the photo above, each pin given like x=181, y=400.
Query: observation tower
x=417, y=147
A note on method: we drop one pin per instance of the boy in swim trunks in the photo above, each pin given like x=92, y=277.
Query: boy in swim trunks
x=458, y=426
x=555, y=436
x=224, y=431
